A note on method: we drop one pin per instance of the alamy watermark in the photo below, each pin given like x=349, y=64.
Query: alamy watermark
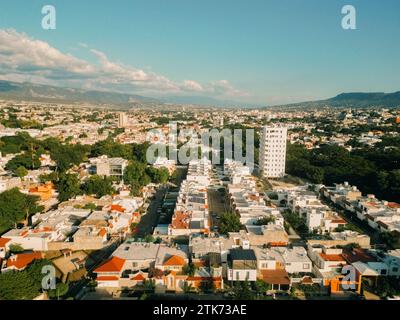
x=206, y=144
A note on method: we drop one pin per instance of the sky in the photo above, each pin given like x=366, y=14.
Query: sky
x=257, y=51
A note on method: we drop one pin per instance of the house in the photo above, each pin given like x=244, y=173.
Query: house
x=340, y=193
x=344, y=238
x=277, y=278
x=44, y=191
x=20, y=261
x=328, y=265
x=293, y=260
x=4, y=247
x=242, y=265
x=104, y=166
x=31, y=239
x=72, y=265
x=271, y=234
x=392, y=260
x=7, y=183
x=130, y=262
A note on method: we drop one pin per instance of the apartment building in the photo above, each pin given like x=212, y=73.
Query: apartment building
x=273, y=151
x=104, y=166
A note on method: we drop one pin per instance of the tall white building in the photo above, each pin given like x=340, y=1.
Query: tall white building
x=122, y=120
x=273, y=151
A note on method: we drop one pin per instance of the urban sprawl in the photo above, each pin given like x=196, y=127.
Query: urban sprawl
x=316, y=217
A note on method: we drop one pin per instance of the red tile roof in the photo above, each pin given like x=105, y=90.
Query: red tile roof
x=278, y=276
x=117, y=207
x=22, y=260
x=102, y=232
x=174, y=261
x=358, y=254
x=3, y=242
x=332, y=257
x=114, y=264
x=139, y=277
x=107, y=278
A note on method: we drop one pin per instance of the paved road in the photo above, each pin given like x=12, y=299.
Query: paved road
x=150, y=219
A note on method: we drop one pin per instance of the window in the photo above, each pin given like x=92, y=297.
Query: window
x=306, y=266
x=383, y=271
x=395, y=269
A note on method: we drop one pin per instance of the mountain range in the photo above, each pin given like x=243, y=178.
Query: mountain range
x=357, y=100
x=38, y=92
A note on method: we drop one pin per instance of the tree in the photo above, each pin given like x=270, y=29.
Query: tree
x=390, y=239
x=261, y=286
x=189, y=269
x=187, y=287
x=23, y=160
x=68, y=187
x=21, y=172
x=48, y=177
x=384, y=288
x=264, y=221
x=207, y=286
x=157, y=175
x=100, y=186
x=16, y=206
x=242, y=291
x=90, y=206
x=23, y=285
x=149, y=284
x=135, y=175
x=60, y=290
x=148, y=238
x=66, y=155
x=16, y=248
x=230, y=222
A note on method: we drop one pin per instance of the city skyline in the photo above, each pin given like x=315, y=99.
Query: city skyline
x=267, y=53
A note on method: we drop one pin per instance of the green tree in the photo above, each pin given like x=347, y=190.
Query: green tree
x=157, y=175
x=230, y=222
x=23, y=160
x=242, y=291
x=21, y=172
x=23, y=285
x=68, y=187
x=187, y=287
x=261, y=286
x=90, y=206
x=100, y=186
x=16, y=248
x=60, y=291
x=189, y=269
x=16, y=206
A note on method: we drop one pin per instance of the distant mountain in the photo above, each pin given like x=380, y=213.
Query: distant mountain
x=206, y=101
x=356, y=100
x=365, y=99
x=38, y=92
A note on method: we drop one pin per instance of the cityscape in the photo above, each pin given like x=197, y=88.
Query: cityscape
x=118, y=183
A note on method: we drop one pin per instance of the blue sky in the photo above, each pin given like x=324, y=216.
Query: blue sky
x=259, y=51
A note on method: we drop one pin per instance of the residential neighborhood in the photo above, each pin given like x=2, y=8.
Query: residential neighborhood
x=115, y=226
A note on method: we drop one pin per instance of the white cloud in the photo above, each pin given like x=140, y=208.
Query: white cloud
x=192, y=85
x=26, y=59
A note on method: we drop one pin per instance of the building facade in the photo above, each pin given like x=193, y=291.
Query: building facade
x=273, y=152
